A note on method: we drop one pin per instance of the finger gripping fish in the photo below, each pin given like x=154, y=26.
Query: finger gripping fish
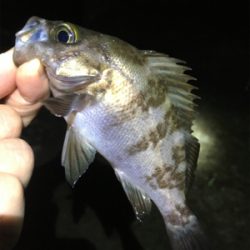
x=134, y=107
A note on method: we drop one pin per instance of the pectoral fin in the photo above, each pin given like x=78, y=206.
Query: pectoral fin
x=139, y=200
x=65, y=104
x=77, y=155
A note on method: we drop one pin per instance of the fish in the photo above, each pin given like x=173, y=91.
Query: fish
x=134, y=107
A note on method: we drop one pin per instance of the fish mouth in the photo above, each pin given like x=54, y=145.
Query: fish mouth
x=24, y=32
x=30, y=25
x=71, y=83
x=25, y=35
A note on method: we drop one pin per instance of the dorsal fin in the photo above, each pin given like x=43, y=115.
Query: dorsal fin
x=169, y=71
x=192, y=148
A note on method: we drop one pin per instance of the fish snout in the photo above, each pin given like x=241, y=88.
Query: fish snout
x=33, y=31
x=28, y=40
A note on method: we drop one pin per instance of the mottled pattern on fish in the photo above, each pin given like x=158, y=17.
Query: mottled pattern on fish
x=134, y=107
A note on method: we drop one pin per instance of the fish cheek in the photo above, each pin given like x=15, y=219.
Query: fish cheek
x=71, y=66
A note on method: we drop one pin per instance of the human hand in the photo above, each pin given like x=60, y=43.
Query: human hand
x=21, y=92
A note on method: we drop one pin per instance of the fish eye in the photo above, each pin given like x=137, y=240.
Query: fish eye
x=65, y=34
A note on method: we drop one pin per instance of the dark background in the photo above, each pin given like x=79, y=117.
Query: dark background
x=213, y=37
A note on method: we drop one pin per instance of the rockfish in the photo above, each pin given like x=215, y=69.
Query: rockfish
x=134, y=107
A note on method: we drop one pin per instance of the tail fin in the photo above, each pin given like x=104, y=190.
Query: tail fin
x=188, y=235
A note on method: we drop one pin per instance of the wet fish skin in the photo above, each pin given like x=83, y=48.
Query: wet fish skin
x=134, y=107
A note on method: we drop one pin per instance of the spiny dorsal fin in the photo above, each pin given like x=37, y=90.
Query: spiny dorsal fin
x=138, y=199
x=168, y=71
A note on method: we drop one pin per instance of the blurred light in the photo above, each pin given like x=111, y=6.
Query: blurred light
x=206, y=135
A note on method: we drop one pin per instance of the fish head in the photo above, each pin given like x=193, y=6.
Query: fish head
x=73, y=56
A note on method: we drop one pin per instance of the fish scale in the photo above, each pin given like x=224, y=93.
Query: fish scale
x=134, y=107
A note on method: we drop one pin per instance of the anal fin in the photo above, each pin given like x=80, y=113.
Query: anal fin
x=139, y=200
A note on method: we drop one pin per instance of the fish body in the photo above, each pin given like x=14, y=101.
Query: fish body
x=134, y=107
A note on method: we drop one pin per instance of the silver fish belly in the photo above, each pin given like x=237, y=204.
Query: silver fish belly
x=134, y=107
